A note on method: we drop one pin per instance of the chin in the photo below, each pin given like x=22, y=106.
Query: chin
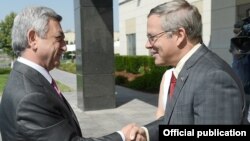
x=159, y=63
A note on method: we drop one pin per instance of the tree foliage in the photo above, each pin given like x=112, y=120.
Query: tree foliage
x=5, y=33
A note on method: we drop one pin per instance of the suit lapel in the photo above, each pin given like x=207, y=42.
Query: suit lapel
x=63, y=102
x=39, y=80
x=73, y=115
x=181, y=80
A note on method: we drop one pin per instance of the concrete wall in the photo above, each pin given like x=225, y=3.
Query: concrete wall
x=223, y=17
x=94, y=54
x=70, y=37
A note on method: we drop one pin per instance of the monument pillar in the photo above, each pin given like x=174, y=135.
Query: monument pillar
x=94, y=54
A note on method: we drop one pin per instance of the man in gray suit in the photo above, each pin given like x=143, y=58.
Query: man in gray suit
x=207, y=91
x=32, y=108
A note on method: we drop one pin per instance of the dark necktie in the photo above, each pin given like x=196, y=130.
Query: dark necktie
x=172, y=85
x=53, y=83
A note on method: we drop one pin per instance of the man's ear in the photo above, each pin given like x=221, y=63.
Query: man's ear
x=32, y=39
x=181, y=36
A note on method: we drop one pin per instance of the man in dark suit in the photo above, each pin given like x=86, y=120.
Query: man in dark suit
x=207, y=91
x=32, y=107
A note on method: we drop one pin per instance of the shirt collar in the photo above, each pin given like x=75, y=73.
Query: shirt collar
x=37, y=67
x=183, y=60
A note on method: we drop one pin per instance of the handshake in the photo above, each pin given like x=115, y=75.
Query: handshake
x=133, y=132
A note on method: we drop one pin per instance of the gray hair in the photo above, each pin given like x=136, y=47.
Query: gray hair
x=177, y=14
x=35, y=18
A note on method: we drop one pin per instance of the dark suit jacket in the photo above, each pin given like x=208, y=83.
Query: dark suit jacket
x=31, y=110
x=207, y=92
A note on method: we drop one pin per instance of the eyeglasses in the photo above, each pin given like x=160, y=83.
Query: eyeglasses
x=154, y=38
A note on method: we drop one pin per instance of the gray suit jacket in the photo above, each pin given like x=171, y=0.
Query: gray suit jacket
x=31, y=110
x=207, y=92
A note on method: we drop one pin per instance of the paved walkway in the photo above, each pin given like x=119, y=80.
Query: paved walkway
x=132, y=106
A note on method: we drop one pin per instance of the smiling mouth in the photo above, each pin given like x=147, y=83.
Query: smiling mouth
x=153, y=53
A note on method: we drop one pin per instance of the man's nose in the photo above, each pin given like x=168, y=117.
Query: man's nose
x=148, y=44
x=64, y=46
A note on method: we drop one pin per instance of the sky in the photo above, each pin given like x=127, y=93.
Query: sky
x=62, y=7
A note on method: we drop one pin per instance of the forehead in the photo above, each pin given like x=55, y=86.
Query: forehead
x=154, y=24
x=54, y=27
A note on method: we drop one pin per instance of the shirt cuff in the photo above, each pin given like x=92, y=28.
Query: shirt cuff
x=146, y=131
x=121, y=134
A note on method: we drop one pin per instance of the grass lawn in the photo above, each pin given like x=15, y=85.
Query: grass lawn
x=63, y=87
x=3, y=80
x=4, y=77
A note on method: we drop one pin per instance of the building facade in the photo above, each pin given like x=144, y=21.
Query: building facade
x=116, y=43
x=69, y=37
x=218, y=18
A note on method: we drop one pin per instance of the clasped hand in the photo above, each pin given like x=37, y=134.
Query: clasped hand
x=133, y=132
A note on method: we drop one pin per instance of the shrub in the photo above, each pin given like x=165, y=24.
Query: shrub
x=149, y=82
x=121, y=80
x=132, y=64
x=5, y=70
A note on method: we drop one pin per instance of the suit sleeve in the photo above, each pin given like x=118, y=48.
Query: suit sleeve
x=39, y=118
x=153, y=129
x=219, y=99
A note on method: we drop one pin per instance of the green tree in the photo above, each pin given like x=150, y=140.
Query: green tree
x=5, y=33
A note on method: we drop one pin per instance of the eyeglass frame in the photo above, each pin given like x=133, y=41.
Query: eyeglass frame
x=153, y=39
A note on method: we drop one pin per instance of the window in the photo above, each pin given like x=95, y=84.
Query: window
x=131, y=44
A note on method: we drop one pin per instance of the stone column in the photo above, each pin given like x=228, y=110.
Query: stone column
x=94, y=54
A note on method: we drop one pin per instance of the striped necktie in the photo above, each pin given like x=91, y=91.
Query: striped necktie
x=53, y=84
